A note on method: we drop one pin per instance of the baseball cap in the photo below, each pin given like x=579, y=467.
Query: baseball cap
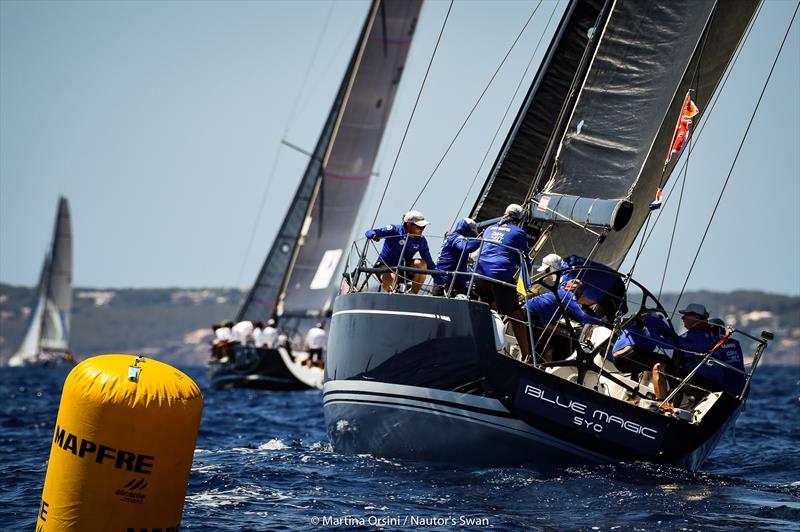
x=695, y=308
x=416, y=218
x=551, y=261
x=514, y=212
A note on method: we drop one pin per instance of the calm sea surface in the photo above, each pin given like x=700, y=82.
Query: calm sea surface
x=263, y=462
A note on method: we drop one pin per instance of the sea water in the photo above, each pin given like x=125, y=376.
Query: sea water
x=263, y=462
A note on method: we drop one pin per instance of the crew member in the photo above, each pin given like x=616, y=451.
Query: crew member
x=504, y=244
x=403, y=241
x=453, y=257
x=731, y=353
x=636, y=350
x=548, y=308
x=551, y=263
x=242, y=331
x=271, y=335
x=693, y=345
x=316, y=342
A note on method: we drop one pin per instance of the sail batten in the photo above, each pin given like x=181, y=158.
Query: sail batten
x=295, y=278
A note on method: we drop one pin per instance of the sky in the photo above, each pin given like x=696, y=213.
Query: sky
x=162, y=124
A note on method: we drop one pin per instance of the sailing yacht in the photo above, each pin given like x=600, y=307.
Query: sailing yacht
x=296, y=283
x=440, y=379
x=46, y=340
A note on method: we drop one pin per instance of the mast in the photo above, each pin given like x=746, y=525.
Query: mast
x=296, y=278
x=348, y=86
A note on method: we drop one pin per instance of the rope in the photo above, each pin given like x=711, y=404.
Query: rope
x=410, y=118
x=736, y=158
x=486, y=88
x=502, y=120
x=675, y=223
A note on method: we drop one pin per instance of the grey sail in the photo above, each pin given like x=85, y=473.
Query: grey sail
x=49, y=326
x=299, y=275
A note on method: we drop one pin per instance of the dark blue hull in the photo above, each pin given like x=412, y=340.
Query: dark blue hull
x=419, y=377
x=248, y=367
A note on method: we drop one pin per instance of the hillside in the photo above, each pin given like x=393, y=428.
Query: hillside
x=173, y=324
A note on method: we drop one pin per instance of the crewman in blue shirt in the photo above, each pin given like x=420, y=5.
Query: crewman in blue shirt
x=693, y=345
x=503, y=245
x=546, y=311
x=403, y=241
x=453, y=257
x=636, y=350
x=731, y=353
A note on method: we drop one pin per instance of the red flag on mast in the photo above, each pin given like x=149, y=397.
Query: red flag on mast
x=681, y=134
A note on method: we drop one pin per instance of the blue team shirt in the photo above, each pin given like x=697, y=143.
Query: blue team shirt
x=655, y=333
x=455, y=252
x=545, y=309
x=731, y=353
x=393, y=247
x=695, y=343
x=498, y=262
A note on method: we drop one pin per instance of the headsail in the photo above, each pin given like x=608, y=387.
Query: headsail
x=49, y=325
x=302, y=266
x=608, y=136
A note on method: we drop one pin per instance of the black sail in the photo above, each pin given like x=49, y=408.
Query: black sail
x=620, y=129
x=299, y=274
x=526, y=143
x=57, y=318
x=600, y=114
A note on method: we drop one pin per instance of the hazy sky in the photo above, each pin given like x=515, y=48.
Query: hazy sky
x=161, y=122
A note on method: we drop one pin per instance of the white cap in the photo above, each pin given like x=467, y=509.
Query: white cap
x=514, y=212
x=551, y=261
x=416, y=218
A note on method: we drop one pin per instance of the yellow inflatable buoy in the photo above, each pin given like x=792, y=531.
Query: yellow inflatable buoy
x=122, y=447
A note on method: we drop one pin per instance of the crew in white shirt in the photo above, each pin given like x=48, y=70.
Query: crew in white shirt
x=242, y=331
x=258, y=335
x=316, y=342
x=271, y=335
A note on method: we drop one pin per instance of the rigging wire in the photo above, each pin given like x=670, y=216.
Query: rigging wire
x=486, y=88
x=410, y=118
x=736, y=158
x=694, y=140
x=502, y=120
x=675, y=223
x=276, y=155
x=261, y=204
x=304, y=83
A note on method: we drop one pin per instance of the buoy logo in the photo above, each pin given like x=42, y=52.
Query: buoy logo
x=132, y=491
x=103, y=454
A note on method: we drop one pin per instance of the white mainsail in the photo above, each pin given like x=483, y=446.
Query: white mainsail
x=49, y=326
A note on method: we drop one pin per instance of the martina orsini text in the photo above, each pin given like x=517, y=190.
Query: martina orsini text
x=400, y=521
